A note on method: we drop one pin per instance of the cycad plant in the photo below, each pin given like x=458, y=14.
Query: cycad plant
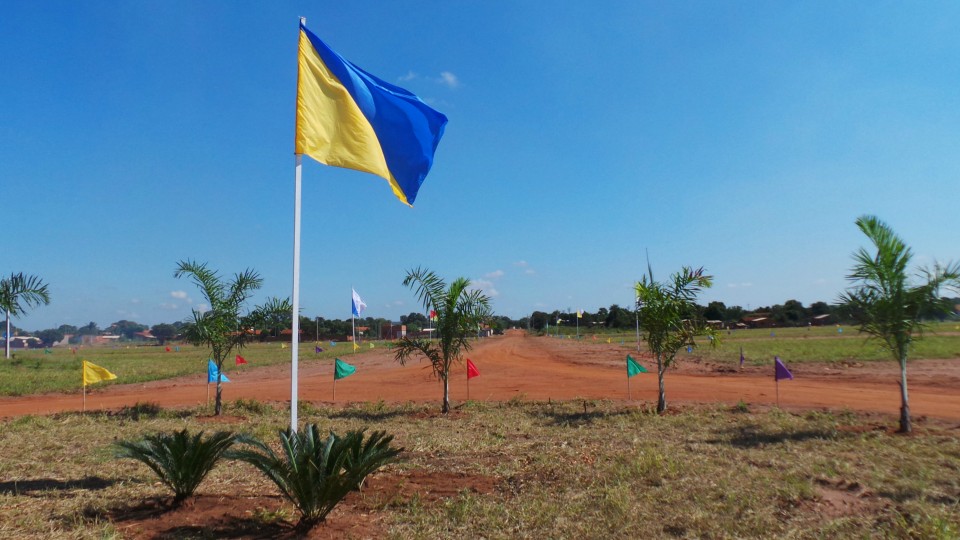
x=179, y=459
x=316, y=473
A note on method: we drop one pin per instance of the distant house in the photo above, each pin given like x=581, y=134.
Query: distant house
x=145, y=335
x=758, y=320
x=22, y=342
x=393, y=331
x=102, y=339
x=715, y=324
x=820, y=320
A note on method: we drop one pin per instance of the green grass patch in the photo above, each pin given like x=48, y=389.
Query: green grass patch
x=35, y=372
x=533, y=470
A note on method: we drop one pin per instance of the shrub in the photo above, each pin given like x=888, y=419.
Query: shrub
x=315, y=474
x=179, y=459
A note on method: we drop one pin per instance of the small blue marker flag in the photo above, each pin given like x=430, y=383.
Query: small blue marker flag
x=213, y=372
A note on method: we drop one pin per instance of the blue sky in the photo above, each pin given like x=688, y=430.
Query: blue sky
x=744, y=137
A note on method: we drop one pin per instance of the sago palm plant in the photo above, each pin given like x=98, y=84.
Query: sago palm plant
x=179, y=459
x=316, y=473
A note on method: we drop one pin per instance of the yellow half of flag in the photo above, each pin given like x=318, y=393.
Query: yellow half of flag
x=93, y=373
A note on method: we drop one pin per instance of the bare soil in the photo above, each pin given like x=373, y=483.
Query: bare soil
x=247, y=516
x=518, y=366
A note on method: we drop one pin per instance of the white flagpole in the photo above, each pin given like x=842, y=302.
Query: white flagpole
x=353, y=324
x=295, y=327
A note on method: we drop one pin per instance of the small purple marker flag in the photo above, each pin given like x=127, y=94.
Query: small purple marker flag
x=317, y=350
x=780, y=370
x=741, y=357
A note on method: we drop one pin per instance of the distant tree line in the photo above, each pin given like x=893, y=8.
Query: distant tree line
x=615, y=317
x=790, y=313
x=312, y=329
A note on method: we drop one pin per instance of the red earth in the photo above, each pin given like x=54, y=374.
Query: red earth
x=512, y=366
x=517, y=366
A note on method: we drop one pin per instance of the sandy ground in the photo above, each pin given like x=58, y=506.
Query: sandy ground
x=542, y=368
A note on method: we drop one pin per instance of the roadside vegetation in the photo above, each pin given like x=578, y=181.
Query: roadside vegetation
x=509, y=470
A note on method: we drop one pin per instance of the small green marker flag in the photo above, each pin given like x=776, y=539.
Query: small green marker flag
x=633, y=367
x=343, y=369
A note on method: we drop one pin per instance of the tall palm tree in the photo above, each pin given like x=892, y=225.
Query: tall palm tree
x=886, y=305
x=459, y=309
x=18, y=292
x=219, y=328
x=669, y=318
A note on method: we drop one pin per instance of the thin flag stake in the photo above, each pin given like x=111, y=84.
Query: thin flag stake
x=353, y=328
x=295, y=327
x=334, y=385
x=84, y=396
x=629, y=394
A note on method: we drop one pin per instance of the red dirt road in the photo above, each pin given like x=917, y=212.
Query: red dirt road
x=540, y=368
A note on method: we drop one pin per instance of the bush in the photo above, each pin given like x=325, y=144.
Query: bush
x=315, y=474
x=180, y=460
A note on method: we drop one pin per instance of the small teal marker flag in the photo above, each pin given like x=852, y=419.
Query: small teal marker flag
x=633, y=368
x=343, y=369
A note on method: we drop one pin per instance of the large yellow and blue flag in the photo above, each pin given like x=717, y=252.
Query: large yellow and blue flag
x=349, y=118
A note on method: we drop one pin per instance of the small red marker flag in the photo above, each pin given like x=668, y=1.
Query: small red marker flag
x=168, y=349
x=472, y=370
x=240, y=360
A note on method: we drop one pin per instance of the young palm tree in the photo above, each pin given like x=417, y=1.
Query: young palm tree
x=669, y=318
x=458, y=311
x=220, y=327
x=18, y=292
x=314, y=473
x=886, y=305
x=180, y=460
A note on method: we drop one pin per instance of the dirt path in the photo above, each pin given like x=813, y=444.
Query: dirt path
x=540, y=368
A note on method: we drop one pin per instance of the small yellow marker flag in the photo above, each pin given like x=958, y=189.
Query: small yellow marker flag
x=283, y=345
x=93, y=373
x=356, y=347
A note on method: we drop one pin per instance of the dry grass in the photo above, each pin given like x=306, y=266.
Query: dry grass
x=532, y=470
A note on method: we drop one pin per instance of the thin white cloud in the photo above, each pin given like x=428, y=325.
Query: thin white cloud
x=739, y=285
x=168, y=305
x=408, y=77
x=135, y=301
x=202, y=307
x=494, y=275
x=486, y=286
x=526, y=267
x=448, y=79
x=180, y=295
